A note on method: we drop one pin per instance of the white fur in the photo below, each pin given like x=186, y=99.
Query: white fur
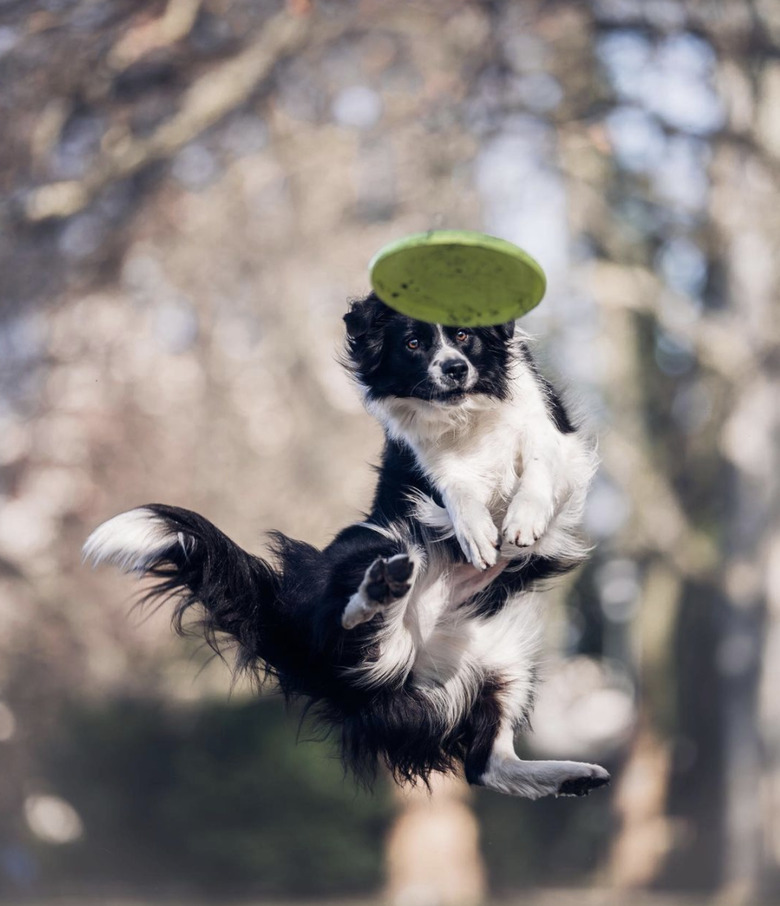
x=513, y=485
x=130, y=540
x=498, y=464
x=447, y=647
x=506, y=773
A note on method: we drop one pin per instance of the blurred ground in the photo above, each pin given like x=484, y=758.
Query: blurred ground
x=561, y=897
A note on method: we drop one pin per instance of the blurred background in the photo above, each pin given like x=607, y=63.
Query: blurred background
x=191, y=191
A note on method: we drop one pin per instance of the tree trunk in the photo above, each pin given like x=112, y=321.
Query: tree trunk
x=432, y=851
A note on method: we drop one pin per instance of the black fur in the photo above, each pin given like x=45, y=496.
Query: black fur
x=284, y=618
x=558, y=412
x=487, y=714
x=284, y=622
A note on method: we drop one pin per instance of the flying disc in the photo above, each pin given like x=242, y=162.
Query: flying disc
x=457, y=277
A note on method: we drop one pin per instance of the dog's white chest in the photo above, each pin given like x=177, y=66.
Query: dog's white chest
x=488, y=462
x=445, y=641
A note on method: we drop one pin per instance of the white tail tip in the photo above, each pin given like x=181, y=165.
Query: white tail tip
x=131, y=540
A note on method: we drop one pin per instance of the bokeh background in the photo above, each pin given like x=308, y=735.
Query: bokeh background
x=191, y=191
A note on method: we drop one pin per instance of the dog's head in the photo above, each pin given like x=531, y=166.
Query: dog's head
x=393, y=355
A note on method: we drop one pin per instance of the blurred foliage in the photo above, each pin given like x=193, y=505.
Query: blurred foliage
x=555, y=842
x=223, y=801
x=212, y=798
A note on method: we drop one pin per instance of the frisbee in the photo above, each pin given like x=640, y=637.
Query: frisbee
x=458, y=278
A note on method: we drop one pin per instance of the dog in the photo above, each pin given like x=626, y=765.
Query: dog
x=415, y=633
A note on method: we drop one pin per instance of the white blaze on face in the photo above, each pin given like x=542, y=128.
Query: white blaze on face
x=444, y=352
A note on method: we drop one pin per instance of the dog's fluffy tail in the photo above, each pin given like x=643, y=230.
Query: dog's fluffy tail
x=195, y=563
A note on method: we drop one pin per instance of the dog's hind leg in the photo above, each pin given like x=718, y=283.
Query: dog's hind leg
x=504, y=772
x=387, y=580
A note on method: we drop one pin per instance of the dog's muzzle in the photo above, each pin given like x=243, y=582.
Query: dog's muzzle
x=455, y=372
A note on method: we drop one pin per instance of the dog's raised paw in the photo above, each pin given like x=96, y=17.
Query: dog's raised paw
x=478, y=538
x=387, y=579
x=526, y=521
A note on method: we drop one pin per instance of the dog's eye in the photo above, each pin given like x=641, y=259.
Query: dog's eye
x=462, y=335
x=413, y=343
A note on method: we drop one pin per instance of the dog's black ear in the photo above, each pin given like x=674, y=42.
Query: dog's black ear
x=366, y=322
x=365, y=315
x=357, y=321
x=507, y=330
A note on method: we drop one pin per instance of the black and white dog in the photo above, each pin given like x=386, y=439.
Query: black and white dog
x=416, y=631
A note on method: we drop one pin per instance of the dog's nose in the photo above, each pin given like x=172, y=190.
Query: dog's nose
x=455, y=369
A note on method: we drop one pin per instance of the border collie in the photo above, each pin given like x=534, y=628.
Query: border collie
x=415, y=632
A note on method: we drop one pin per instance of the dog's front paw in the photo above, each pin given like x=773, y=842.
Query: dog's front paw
x=385, y=581
x=478, y=538
x=526, y=520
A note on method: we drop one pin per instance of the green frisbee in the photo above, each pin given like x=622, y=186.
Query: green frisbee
x=458, y=278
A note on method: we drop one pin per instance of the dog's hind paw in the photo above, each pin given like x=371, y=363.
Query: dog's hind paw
x=388, y=579
x=590, y=777
x=385, y=581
